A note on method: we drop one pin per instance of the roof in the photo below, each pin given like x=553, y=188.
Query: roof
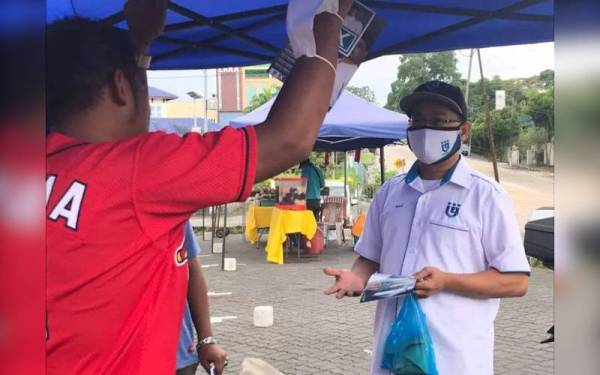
x=154, y=93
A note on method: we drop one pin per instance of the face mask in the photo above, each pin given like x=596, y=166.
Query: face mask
x=343, y=75
x=432, y=146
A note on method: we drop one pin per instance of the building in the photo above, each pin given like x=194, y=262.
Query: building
x=237, y=86
x=235, y=89
x=166, y=105
x=158, y=99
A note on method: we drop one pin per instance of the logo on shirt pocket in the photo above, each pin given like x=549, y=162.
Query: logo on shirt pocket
x=181, y=256
x=452, y=209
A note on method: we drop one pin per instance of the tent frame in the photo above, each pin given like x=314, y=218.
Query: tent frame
x=278, y=12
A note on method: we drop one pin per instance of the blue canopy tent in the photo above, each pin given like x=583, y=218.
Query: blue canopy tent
x=351, y=124
x=212, y=34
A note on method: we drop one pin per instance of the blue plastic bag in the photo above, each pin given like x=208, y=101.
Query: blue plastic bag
x=408, y=348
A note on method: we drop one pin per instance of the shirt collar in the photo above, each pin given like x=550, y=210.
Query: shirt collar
x=56, y=142
x=459, y=174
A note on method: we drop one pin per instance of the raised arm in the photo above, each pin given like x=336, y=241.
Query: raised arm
x=289, y=133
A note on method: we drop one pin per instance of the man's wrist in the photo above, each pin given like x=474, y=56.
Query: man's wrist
x=327, y=36
x=208, y=340
x=449, y=281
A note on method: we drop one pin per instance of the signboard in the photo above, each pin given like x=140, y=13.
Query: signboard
x=500, y=100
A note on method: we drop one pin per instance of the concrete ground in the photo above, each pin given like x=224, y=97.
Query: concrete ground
x=317, y=334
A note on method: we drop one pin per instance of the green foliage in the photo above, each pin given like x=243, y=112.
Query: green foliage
x=531, y=97
x=373, y=187
x=533, y=136
x=420, y=68
x=264, y=185
x=367, y=157
x=506, y=128
x=262, y=97
x=526, y=98
x=364, y=92
x=540, y=106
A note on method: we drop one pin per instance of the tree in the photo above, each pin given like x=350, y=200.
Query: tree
x=533, y=136
x=506, y=128
x=262, y=97
x=364, y=92
x=420, y=68
x=540, y=106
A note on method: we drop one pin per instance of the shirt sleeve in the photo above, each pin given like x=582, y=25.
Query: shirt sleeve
x=371, y=242
x=502, y=241
x=176, y=176
x=191, y=242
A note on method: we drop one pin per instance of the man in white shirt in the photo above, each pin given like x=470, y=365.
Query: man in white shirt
x=451, y=227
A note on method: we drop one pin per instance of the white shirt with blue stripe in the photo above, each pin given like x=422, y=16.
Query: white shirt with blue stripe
x=464, y=225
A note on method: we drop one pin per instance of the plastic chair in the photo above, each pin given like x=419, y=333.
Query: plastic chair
x=332, y=216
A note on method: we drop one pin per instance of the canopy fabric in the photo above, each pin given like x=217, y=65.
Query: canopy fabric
x=351, y=124
x=215, y=33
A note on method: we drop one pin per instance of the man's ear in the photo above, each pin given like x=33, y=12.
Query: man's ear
x=121, y=91
x=465, y=131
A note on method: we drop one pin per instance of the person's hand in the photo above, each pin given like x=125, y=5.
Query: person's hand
x=358, y=55
x=212, y=354
x=344, y=7
x=146, y=20
x=347, y=283
x=430, y=280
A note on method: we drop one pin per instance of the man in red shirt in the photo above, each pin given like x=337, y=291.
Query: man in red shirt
x=117, y=197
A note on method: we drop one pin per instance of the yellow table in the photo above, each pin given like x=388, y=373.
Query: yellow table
x=285, y=222
x=257, y=218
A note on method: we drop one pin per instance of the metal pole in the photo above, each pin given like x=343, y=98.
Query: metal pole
x=382, y=164
x=205, y=129
x=334, y=165
x=195, y=116
x=224, y=238
x=488, y=124
x=345, y=173
x=468, y=85
x=212, y=229
x=203, y=222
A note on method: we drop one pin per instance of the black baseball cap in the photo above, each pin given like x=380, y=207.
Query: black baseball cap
x=442, y=92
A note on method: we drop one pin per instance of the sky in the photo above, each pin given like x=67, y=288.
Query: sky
x=507, y=62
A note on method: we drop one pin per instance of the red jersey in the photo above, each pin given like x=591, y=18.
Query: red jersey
x=116, y=281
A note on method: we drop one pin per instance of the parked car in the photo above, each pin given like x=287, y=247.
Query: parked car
x=539, y=243
x=465, y=149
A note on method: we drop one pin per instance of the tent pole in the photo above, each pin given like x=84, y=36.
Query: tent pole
x=205, y=127
x=345, y=173
x=224, y=238
x=488, y=124
x=382, y=164
x=334, y=164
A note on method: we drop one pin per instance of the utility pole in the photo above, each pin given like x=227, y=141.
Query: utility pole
x=488, y=124
x=468, y=85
